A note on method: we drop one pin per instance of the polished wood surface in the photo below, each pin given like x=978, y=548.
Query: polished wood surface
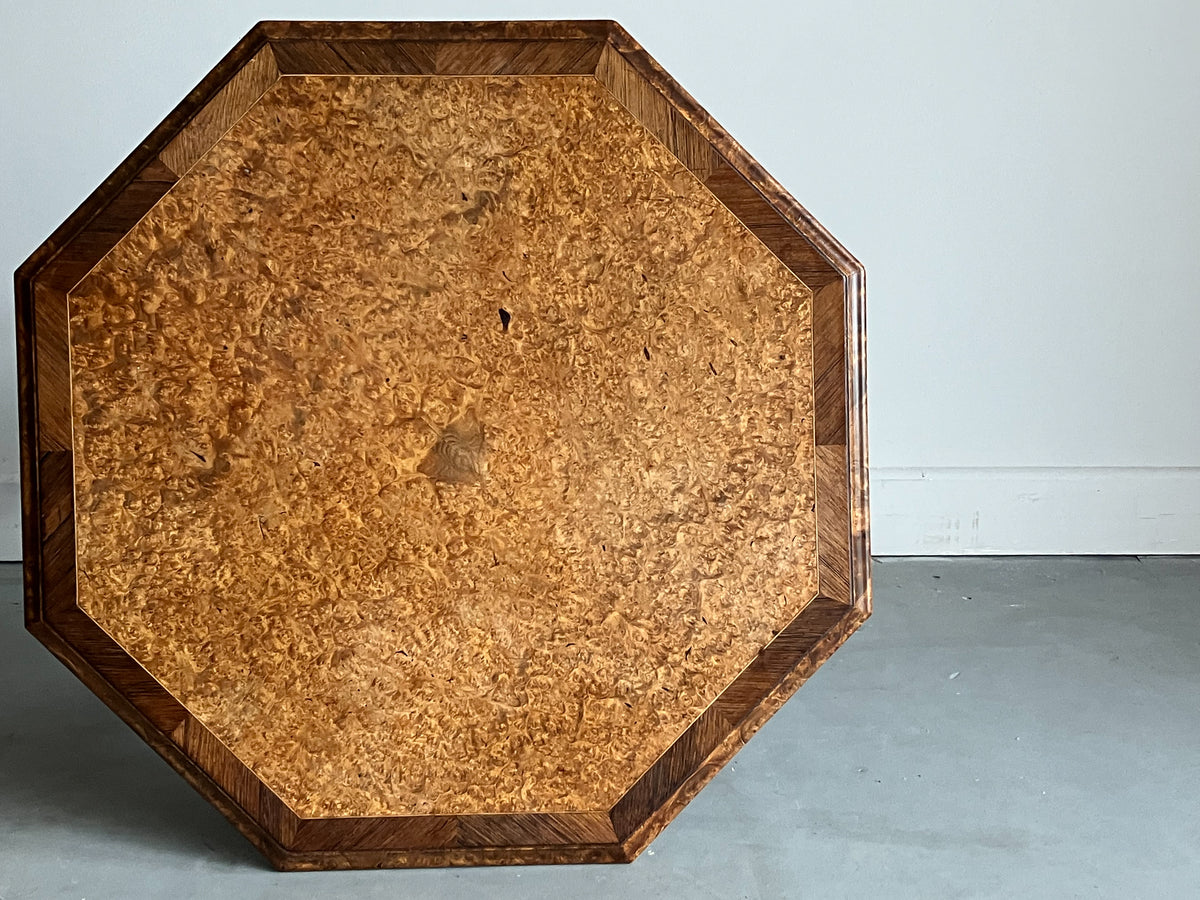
x=645, y=262
x=290, y=515
x=218, y=115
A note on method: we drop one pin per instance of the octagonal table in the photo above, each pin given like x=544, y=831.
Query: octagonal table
x=443, y=443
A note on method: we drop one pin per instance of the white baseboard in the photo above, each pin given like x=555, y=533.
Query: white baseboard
x=963, y=511
x=1052, y=510
x=10, y=521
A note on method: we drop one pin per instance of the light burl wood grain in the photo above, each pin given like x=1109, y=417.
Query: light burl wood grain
x=286, y=377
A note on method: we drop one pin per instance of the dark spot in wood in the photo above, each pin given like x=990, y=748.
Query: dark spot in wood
x=293, y=306
x=646, y=352
x=464, y=196
x=505, y=318
x=711, y=369
x=463, y=336
x=484, y=202
x=505, y=274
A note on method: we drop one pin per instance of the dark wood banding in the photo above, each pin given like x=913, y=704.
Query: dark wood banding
x=275, y=50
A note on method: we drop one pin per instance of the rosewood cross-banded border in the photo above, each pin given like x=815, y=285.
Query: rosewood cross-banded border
x=275, y=50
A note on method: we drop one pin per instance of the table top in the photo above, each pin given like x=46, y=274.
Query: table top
x=443, y=444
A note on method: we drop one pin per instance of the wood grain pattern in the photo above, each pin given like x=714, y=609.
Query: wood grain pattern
x=218, y=115
x=654, y=791
x=277, y=819
x=229, y=772
x=453, y=833
x=366, y=833
x=295, y=861
x=124, y=197
x=238, y=783
x=517, y=57
x=746, y=202
x=312, y=57
x=658, y=818
x=856, y=406
x=31, y=514
x=685, y=760
x=52, y=370
x=352, y=57
x=827, y=249
x=657, y=114
x=463, y=57
x=564, y=30
x=777, y=660
x=735, y=155
x=669, y=772
x=262, y=420
x=524, y=829
x=109, y=224
x=42, y=282
x=829, y=363
x=111, y=663
x=56, y=486
x=57, y=541
x=833, y=522
x=72, y=654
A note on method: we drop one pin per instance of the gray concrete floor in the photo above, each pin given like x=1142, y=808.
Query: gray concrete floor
x=1000, y=728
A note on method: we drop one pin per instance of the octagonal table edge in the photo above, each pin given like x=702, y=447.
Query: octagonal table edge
x=42, y=284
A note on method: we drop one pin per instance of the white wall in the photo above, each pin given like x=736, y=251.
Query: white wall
x=1022, y=180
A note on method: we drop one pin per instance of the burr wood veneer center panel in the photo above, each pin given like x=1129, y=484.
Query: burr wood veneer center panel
x=443, y=444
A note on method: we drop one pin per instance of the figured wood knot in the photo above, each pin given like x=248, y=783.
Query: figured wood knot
x=457, y=455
